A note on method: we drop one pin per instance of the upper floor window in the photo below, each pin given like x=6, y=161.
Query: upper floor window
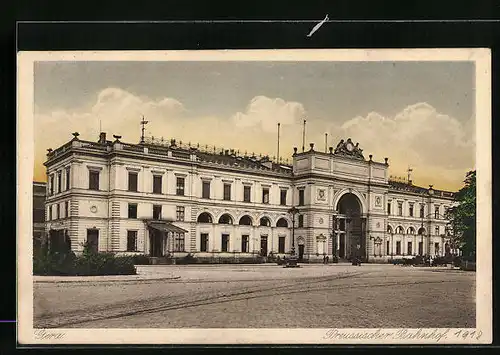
x=205, y=189
x=436, y=230
x=436, y=212
x=265, y=195
x=301, y=220
x=58, y=212
x=93, y=180
x=156, y=211
x=157, y=179
x=283, y=197
x=51, y=183
x=59, y=181
x=389, y=207
x=180, y=186
x=421, y=211
x=301, y=197
x=50, y=213
x=411, y=209
x=68, y=174
x=132, y=210
x=66, y=209
x=180, y=213
x=246, y=193
x=227, y=192
x=132, y=181
x=400, y=208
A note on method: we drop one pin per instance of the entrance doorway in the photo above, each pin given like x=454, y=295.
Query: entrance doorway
x=263, y=245
x=352, y=226
x=93, y=239
x=155, y=242
x=301, y=251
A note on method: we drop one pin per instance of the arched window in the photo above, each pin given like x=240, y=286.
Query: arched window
x=225, y=219
x=399, y=230
x=282, y=223
x=265, y=222
x=411, y=230
x=421, y=231
x=246, y=220
x=204, y=218
x=389, y=229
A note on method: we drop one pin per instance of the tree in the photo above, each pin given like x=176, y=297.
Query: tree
x=462, y=217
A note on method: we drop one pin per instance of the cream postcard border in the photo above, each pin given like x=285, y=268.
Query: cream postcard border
x=25, y=160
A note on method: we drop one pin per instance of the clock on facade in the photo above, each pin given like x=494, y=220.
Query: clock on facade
x=349, y=146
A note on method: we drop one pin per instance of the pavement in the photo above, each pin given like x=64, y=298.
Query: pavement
x=260, y=296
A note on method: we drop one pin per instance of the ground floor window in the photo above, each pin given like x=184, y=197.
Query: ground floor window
x=281, y=245
x=410, y=247
x=179, y=242
x=398, y=248
x=225, y=242
x=204, y=242
x=388, y=248
x=131, y=240
x=244, y=243
x=93, y=239
x=420, y=248
x=436, y=248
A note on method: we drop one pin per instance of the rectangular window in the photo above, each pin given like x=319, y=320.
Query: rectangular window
x=398, y=248
x=301, y=197
x=265, y=195
x=131, y=240
x=179, y=213
x=180, y=186
x=132, y=181
x=179, y=242
x=246, y=193
x=225, y=242
x=400, y=208
x=244, y=243
x=157, y=179
x=66, y=209
x=436, y=230
x=204, y=242
x=411, y=210
x=156, y=211
x=436, y=212
x=420, y=248
x=58, y=215
x=388, y=208
x=227, y=192
x=410, y=251
x=421, y=211
x=59, y=181
x=283, y=197
x=68, y=178
x=132, y=210
x=388, y=251
x=281, y=245
x=50, y=213
x=205, y=187
x=51, y=184
x=93, y=180
x=436, y=248
x=301, y=220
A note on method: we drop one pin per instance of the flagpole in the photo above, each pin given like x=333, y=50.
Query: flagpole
x=304, y=136
x=278, y=156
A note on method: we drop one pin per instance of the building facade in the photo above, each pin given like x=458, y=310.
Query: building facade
x=38, y=212
x=171, y=199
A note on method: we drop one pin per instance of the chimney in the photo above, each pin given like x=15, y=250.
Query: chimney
x=102, y=138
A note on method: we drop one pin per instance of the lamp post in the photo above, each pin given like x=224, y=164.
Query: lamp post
x=292, y=260
x=334, y=236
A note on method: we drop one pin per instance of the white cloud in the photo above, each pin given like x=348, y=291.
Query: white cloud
x=266, y=113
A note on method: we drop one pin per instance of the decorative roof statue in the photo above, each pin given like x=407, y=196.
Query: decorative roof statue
x=348, y=149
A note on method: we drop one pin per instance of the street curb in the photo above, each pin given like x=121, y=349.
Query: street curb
x=107, y=280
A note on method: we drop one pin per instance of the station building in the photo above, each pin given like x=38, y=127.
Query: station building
x=171, y=199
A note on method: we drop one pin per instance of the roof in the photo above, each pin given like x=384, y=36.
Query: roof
x=165, y=226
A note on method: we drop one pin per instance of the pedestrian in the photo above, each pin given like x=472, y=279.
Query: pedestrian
x=327, y=259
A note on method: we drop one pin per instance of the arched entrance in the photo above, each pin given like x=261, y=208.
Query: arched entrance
x=351, y=226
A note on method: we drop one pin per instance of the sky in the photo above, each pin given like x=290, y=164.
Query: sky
x=418, y=114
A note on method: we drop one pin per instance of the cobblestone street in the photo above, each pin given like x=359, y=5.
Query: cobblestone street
x=253, y=296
